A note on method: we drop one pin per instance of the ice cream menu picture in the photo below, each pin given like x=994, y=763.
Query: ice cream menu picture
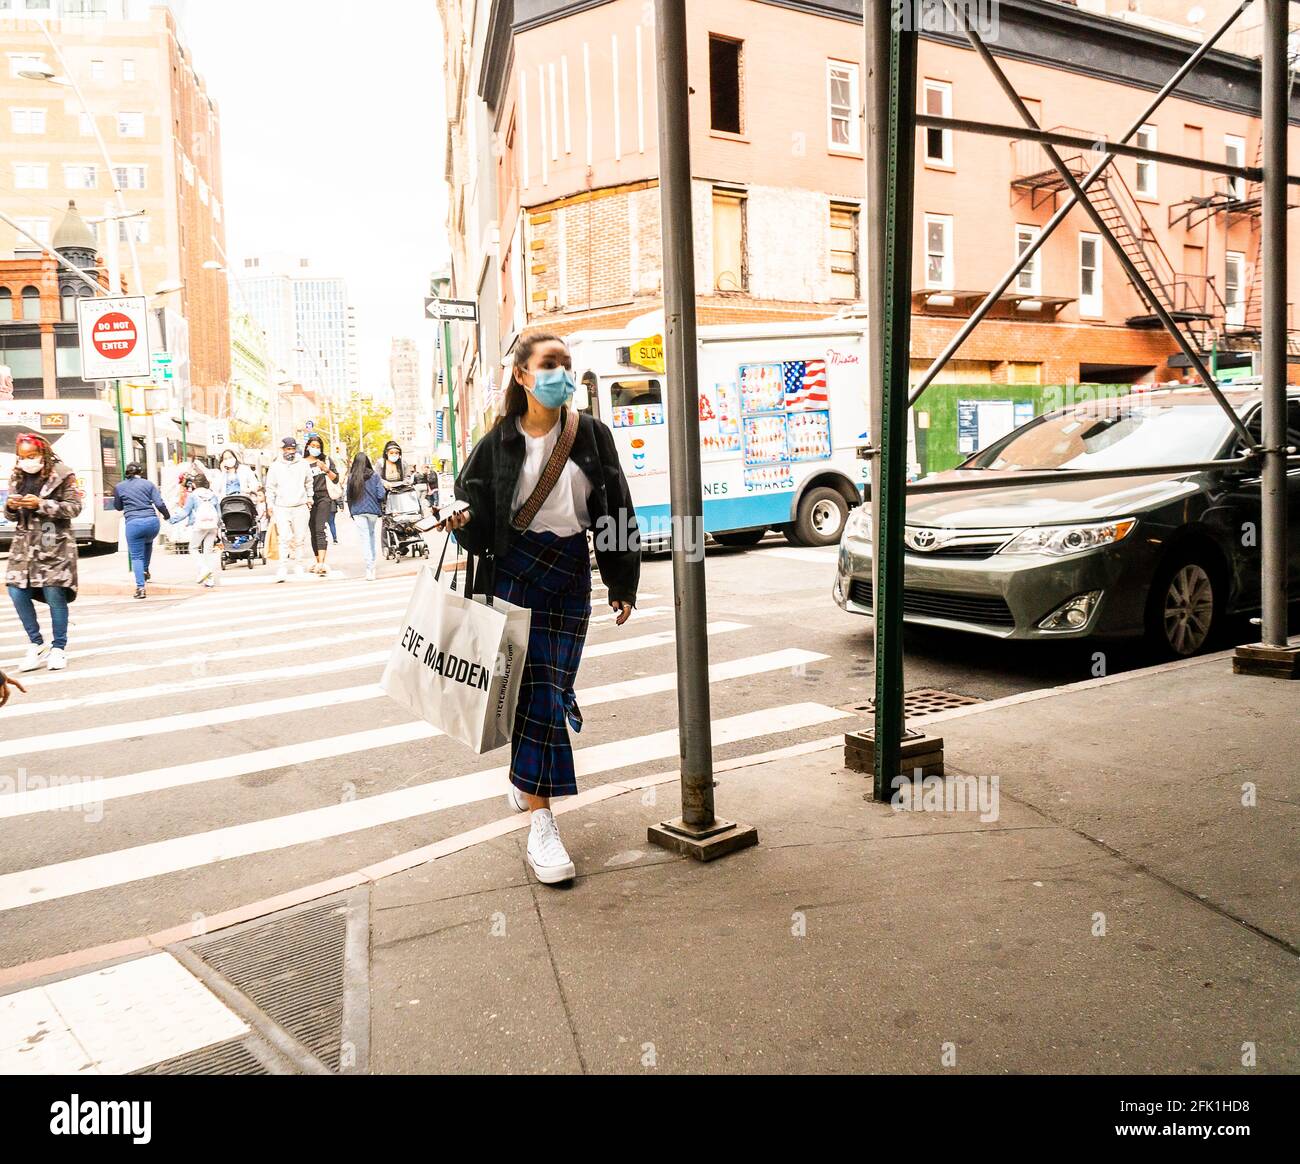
x=719, y=423
x=785, y=412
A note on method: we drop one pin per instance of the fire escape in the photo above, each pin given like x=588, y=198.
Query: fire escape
x=1191, y=300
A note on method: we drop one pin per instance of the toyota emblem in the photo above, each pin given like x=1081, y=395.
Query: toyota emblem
x=923, y=539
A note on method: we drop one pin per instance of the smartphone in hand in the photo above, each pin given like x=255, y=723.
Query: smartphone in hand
x=438, y=516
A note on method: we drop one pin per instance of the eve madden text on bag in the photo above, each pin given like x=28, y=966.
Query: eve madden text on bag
x=458, y=661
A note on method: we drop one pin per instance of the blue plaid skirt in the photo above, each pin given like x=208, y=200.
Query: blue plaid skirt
x=551, y=576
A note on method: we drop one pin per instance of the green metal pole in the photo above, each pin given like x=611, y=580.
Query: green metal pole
x=892, y=51
x=451, y=399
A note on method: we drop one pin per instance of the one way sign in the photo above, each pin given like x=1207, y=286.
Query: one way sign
x=451, y=308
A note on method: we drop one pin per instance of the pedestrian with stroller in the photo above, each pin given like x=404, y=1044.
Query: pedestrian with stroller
x=393, y=469
x=202, y=513
x=43, y=500
x=235, y=476
x=366, y=495
x=540, y=479
x=289, y=494
x=325, y=491
x=140, y=503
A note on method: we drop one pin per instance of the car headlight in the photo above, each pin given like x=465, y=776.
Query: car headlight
x=1059, y=540
x=858, y=525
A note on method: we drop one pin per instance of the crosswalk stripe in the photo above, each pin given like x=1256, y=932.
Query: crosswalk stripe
x=87, y=793
x=105, y=733
x=823, y=555
x=104, y=870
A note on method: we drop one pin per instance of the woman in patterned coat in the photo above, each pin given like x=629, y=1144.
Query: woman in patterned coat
x=43, y=499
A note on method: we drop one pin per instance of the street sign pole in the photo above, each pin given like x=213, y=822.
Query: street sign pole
x=697, y=832
x=451, y=399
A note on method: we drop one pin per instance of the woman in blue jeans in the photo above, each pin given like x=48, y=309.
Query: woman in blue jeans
x=365, y=493
x=140, y=502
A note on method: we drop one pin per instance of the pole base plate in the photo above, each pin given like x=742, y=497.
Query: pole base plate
x=1274, y=662
x=704, y=844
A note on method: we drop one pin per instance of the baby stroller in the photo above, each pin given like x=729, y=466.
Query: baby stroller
x=241, y=539
x=402, y=510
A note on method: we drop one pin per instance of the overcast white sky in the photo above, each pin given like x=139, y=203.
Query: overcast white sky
x=333, y=127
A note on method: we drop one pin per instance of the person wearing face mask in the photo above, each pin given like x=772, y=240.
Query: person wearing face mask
x=289, y=495
x=325, y=490
x=43, y=499
x=235, y=477
x=202, y=513
x=393, y=471
x=529, y=514
x=140, y=504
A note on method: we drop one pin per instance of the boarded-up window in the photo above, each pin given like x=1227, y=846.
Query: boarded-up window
x=1024, y=373
x=729, y=273
x=844, y=252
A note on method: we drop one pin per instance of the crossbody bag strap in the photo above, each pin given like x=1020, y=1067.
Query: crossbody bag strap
x=550, y=474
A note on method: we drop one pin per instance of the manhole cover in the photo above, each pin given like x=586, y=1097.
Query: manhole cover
x=922, y=701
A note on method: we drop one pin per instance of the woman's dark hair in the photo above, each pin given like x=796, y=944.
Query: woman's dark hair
x=360, y=472
x=134, y=469
x=199, y=481
x=516, y=401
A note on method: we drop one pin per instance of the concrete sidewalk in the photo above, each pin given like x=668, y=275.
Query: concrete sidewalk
x=1124, y=912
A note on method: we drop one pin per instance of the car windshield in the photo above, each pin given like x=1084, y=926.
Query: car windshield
x=1114, y=434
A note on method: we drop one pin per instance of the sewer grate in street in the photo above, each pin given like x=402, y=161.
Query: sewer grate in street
x=922, y=701
x=293, y=969
x=232, y=1058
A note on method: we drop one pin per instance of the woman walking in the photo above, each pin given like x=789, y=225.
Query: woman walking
x=393, y=469
x=536, y=483
x=366, y=504
x=140, y=503
x=43, y=500
x=325, y=489
x=202, y=513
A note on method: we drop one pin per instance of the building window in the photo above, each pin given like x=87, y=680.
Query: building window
x=129, y=177
x=69, y=307
x=31, y=304
x=20, y=61
x=33, y=228
x=86, y=124
x=938, y=103
x=128, y=69
x=842, y=108
x=139, y=227
x=1234, y=288
x=27, y=120
x=1234, y=153
x=1145, y=139
x=6, y=305
x=1090, y=274
x=729, y=267
x=31, y=176
x=725, y=84
x=938, y=251
x=130, y=125
x=844, y=252
x=97, y=70
x=1022, y=373
x=1030, y=278
x=80, y=177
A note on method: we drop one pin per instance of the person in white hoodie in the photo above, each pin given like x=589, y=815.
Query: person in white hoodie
x=202, y=513
x=289, y=494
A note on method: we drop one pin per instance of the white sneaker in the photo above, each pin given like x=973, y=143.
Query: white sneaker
x=57, y=660
x=370, y=577
x=34, y=658
x=281, y=574
x=515, y=799
x=546, y=852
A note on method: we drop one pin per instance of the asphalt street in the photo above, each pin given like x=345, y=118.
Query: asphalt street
x=201, y=752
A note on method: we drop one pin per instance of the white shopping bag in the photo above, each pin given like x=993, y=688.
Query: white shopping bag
x=458, y=661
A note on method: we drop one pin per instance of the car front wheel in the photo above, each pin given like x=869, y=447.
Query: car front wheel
x=1183, y=608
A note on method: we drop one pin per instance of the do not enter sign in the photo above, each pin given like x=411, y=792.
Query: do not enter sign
x=114, y=337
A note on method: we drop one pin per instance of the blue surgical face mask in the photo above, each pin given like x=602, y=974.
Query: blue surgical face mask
x=553, y=386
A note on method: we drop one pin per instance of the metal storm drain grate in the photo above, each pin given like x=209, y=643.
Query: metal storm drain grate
x=233, y=1058
x=292, y=967
x=922, y=701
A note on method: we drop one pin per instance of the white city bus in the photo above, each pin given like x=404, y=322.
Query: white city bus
x=783, y=415
x=83, y=434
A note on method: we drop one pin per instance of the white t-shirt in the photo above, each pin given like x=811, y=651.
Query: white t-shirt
x=565, y=511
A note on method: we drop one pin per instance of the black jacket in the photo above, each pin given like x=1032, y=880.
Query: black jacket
x=488, y=480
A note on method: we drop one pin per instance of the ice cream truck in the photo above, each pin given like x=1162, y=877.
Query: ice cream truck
x=783, y=416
